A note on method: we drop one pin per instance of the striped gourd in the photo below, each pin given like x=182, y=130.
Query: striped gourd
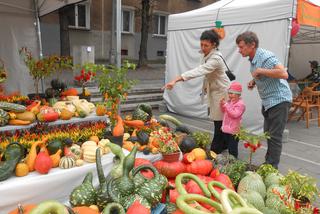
x=12, y=107
x=4, y=117
x=67, y=162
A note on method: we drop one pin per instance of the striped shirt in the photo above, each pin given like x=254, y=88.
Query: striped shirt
x=272, y=91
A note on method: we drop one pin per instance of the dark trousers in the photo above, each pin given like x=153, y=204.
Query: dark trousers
x=232, y=142
x=218, y=142
x=275, y=120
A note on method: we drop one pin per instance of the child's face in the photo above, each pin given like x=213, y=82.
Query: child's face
x=233, y=96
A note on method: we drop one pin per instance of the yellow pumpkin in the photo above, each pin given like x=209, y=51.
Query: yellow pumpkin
x=199, y=154
x=65, y=114
x=22, y=169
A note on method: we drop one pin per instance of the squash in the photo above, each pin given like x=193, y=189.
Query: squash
x=143, y=137
x=16, y=122
x=254, y=199
x=76, y=151
x=187, y=144
x=200, y=167
x=254, y=182
x=67, y=162
x=89, y=153
x=12, y=107
x=22, y=169
x=31, y=157
x=94, y=138
x=4, y=117
x=134, y=123
x=53, y=146
x=101, y=110
x=188, y=158
x=56, y=158
x=65, y=114
x=26, y=116
x=199, y=154
x=272, y=178
x=103, y=145
x=43, y=163
x=79, y=162
x=137, y=207
x=23, y=209
x=170, y=170
x=49, y=206
x=84, y=210
x=118, y=130
x=128, y=145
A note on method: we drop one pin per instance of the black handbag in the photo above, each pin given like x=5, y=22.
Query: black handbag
x=229, y=73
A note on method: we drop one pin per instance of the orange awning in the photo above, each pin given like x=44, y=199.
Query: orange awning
x=308, y=14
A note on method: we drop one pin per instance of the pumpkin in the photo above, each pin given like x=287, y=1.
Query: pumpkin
x=67, y=162
x=26, y=209
x=272, y=178
x=84, y=210
x=224, y=179
x=43, y=163
x=101, y=110
x=76, y=151
x=102, y=144
x=170, y=170
x=200, y=167
x=199, y=154
x=128, y=145
x=188, y=157
x=254, y=182
x=65, y=114
x=187, y=144
x=79, y=162
x=141, y=161
x=30, y=160
x=215, y=173
x=22, y=169
x=94, y=138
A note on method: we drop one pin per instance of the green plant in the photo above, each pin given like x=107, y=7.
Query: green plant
x=114, y=85
x=303, y=187
x=40, y=68
x=265, y=169
x=251, y=141
x=202, y=138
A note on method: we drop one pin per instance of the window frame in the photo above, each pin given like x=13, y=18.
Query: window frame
x=87, y=5
x=131, y=11
x=159, y=14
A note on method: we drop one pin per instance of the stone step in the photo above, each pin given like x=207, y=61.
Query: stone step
x=135, y=98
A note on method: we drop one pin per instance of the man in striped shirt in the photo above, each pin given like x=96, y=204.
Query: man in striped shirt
x=270, y=77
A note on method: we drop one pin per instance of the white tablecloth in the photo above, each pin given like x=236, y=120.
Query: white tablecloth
x=57, y=184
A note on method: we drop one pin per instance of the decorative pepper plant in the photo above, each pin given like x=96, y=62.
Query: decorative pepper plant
x=166, y=140
x=40, y=68
x=83, y=78
x=251, y=141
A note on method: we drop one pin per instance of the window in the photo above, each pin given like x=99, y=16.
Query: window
x=159, y=24
x=160, y=53
x=79, y=16
x=127, y=21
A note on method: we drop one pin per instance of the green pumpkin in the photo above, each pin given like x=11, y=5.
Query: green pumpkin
x=53, y=146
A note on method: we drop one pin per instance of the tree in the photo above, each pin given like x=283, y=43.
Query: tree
x=146, y=15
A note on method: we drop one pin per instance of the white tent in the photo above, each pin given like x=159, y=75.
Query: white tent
x=19, y=29
x=270, y=19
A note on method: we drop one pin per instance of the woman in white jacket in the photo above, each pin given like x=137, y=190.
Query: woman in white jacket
x=215, y=84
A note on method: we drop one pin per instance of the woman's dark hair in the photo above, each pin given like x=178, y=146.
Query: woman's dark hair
x=248, y=37
x=211, y=36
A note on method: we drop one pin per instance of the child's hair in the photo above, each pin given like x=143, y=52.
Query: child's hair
x=235, y=88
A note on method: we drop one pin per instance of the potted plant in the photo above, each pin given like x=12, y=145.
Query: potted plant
x=83, y=78
x=303, y=187
x=251, y=141
x=114, y=85
x=168, y=146
x=41, y=68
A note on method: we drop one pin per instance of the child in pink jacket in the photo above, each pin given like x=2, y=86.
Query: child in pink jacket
x=233, y=110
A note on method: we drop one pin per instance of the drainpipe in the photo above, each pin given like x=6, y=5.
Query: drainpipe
x=118, y=34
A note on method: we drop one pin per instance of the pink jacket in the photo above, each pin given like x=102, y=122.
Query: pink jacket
x=233, y=112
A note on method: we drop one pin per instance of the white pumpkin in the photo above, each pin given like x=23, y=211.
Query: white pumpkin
x=102, y=145
x=67, y=162
x=88, y=144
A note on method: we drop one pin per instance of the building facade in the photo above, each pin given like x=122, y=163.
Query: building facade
x=90, y=24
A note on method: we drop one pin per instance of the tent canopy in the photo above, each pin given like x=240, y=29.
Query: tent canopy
x=18, y=30
x=270, y=19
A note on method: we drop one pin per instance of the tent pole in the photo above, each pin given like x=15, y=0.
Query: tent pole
x=286, y=59
x=118, y=34
x=35, y=3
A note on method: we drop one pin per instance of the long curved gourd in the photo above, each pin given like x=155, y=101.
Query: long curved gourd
x=245, y=210
x=226, y=195
x=181, y=190
x=117, y=169
x=182, y=203
x=213, y=191
x=111, y=207
x=52, y=207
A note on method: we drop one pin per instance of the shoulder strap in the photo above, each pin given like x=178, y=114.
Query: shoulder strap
x=223, y=61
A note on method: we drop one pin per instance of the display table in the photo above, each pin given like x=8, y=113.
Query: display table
x=90, y=118
x=56, y=185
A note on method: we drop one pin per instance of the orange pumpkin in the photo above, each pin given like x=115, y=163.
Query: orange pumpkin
x=84, y=210
x=101, y=110
x=26, y=209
